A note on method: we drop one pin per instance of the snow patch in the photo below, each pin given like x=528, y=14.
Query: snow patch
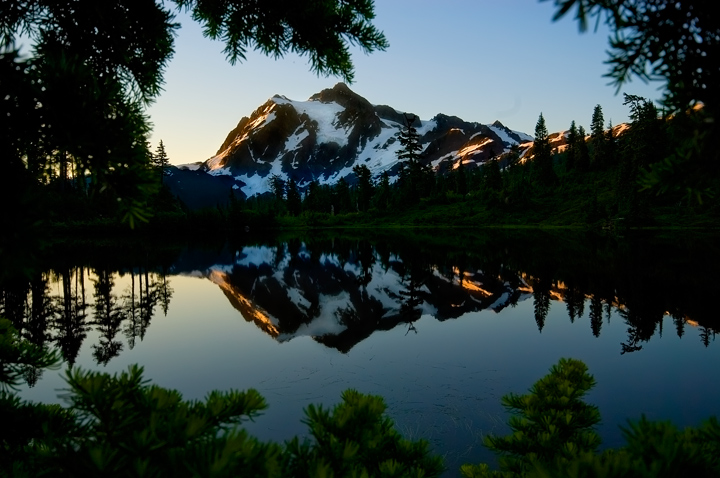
x=325, y=115
x=190, y=167
x=503, y=135
x=293, y=142
x=523, y=136
x=426, y=127
x=255, y=256
x=220, y=172
x=502, y=300
x=297, y=298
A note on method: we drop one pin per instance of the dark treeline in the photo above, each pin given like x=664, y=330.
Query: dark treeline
x=78, y=287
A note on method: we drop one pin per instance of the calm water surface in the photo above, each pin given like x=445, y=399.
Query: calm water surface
x=440, y=324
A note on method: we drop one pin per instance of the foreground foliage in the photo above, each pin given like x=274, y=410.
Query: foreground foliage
x=122, y=425
x=553, y=436
x=551, y=424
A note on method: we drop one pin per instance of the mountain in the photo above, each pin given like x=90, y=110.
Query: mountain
x=321, y=139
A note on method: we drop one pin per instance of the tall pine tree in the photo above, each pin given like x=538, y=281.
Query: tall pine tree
x=365, y=186
x=412, y=173
x=571, y=155
x=542, y=162
x=341, y=197
x=611, y=146
x=294, y=201
x=492, y=178
x=597, y=138
x=277, y=186
x=160, y=160
x=583, y=155
x=382, y=195
x=410, y=141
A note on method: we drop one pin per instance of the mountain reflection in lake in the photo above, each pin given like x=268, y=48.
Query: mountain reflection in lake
x=442, y=328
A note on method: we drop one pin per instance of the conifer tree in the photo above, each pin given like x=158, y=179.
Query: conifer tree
x=597, y=138
x=382, y=195
x=410, y=141
x=294, y=201
x=571, y=157
x=611, y=146
x=160, y=160
x=542, y=162
x=583, y=155
x=365, y=186
x=413, y=180
x=341, y=197
x=492, y=178
x=551, y=425
x=277, y=186
x=461, y=179
x=643, y=145
x=313, y=198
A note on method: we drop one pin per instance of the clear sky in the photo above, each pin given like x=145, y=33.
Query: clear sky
x=481, y=60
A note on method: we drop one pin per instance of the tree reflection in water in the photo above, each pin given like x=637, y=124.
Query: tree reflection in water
x=53, y=309
x=71, y=326
x=340, y=290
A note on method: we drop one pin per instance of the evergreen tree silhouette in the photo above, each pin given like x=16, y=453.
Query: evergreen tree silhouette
x=541, y=301
x=341, y=197
x=161, y=161
x=492, y=177
x=108, y=317
x=383, y=192
x=365, y=186
x=597, y=138
x=412, y=175
x=583, y=154
x=542, y=161
x=572, y=146
x=596, y=315
x=71, y=327
x=294, y=201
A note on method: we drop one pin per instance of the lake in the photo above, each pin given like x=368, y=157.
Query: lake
x=441, y=323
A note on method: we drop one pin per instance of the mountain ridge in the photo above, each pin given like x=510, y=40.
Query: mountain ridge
x=323, y=138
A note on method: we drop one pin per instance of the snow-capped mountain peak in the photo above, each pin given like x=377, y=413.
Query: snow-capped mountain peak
x=323, y=138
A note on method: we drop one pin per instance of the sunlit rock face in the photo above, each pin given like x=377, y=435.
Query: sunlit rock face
x=323, y=138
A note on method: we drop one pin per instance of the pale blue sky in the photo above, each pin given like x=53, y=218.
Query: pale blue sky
x=480, y=60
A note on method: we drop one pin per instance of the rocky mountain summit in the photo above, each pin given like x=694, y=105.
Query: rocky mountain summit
x=323, y=138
